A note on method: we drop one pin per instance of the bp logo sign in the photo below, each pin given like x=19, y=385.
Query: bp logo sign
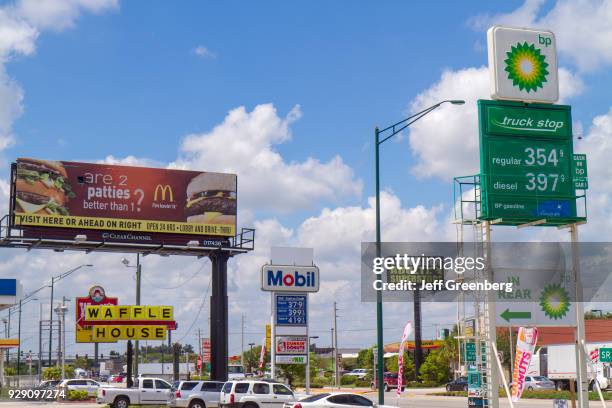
x=523, y=64
x=526, y=67
x=554, y=301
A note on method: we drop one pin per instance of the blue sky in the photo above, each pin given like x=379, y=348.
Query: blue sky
x=127, y=82
x=123, y=82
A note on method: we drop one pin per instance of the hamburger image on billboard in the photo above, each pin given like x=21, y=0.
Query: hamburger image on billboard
x=63, y=195
x=41, y=187
x=211, y=199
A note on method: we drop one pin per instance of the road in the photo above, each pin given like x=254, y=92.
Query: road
x=419, y=398
x=411, y=399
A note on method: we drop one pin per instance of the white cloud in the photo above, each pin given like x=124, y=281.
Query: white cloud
x=130, y=161
x=20, y=26
x=582, y=28
x=203, y=52
x=59, y=14
x=244, y=144
x=445, y=142
x=526, y=13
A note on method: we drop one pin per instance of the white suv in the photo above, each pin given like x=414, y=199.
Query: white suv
x=195, y=394
x=77, y=384
x=254, y=394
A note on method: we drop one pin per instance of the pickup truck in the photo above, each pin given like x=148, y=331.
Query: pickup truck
x=146, y=391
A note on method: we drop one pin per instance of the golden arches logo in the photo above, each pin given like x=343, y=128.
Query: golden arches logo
x=163, y=189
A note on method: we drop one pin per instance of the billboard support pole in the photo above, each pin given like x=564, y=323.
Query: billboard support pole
x=583, y=384
x=136, y=343
x=218, y=316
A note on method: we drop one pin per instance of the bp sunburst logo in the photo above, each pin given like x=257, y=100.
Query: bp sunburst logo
x=526, y=67
x=554, y=301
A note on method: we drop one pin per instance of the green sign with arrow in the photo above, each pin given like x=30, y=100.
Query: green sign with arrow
x=507, y=315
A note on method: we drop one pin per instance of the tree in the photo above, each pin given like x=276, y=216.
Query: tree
x=292, y=372
x=82, y=362
x=55, y=373
x=392, y=365
x=365, y=358
x=436, y=367
x=251, y=358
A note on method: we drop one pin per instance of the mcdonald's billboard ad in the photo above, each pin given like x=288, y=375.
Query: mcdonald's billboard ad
x=121, y=203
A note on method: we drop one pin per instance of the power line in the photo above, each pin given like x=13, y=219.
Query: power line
x=199, y=311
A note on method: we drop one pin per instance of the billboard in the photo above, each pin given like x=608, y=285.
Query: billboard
x=121, y=203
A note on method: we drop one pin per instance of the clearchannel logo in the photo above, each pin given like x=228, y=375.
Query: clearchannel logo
x=289, y=278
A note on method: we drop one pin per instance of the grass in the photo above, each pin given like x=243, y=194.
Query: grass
x=593, y=395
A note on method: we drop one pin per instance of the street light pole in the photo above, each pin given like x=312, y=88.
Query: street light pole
x=53, y=280
x=393, y=130
x=138, y=267
x=51, y=322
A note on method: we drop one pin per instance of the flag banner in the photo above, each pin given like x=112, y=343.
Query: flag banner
x=400, y=358
x=262, y=356
x=525, y=345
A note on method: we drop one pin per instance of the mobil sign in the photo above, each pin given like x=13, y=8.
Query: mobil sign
x=290, y=278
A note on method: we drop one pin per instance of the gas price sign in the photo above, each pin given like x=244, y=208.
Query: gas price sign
x=526, y=162
x=291, y=310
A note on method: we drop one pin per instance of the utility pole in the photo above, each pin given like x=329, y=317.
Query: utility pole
x=200, y=352
x=242, y=343
x=336, y=376
x=51, y=323
x=61, y=311
x=19, y=346
x=40, y=312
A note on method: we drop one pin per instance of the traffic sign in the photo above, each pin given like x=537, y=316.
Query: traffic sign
x=580, y=174
x=291, y=310
x=605, y=355
x=526, y=162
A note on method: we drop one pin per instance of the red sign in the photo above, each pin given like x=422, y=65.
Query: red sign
x=206, y=350
x=97, y=296
x=291, y=345
x=121, y=200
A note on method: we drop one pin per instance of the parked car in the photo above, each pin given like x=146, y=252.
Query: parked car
x=390, y=381
x=48, y=384
x=79, y=384
x=335, y=400
x=358, y=372
x=117, y=378
x=537, y=382
x=235, y=372
x=195, y=394
x=146, y=391
x=254, y=394
x=458, y=384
